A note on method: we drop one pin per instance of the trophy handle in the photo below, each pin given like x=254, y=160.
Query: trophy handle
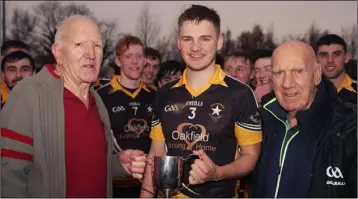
x=191, y=157
x=186, y=186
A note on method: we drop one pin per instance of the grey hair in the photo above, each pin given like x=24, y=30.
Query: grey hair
x=59, y=32
x=58, y=35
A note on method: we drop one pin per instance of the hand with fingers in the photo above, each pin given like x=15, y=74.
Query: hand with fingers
x=203, y=169
x=134, y=162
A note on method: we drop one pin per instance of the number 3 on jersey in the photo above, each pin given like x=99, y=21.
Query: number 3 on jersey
x=192, y=113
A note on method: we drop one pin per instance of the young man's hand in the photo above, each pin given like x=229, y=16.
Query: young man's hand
x=203, y=169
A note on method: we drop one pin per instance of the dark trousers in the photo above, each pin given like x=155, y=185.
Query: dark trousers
x=127, y=192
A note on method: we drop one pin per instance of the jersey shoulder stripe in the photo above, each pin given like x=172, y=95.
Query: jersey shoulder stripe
x=238, y=85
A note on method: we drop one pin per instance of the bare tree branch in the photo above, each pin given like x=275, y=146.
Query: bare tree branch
x=229, y=43
x=167, y=45
x=49, y=14
x=350, y=36
x=22, y=26
x=147, y=27
x=248, y=41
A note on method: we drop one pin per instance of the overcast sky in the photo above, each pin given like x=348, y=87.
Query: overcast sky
x=291, y=17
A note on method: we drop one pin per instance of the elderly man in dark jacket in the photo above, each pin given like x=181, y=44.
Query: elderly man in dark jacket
x=309, y=146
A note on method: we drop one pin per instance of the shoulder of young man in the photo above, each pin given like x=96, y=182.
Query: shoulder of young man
x=167, y=87
x=104, y=89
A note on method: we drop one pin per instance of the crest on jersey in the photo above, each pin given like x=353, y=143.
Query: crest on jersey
x=216, y=111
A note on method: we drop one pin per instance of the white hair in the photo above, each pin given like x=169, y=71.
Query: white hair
x=59, y=32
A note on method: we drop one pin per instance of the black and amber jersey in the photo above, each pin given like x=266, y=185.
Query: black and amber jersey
x=348, y=90
x=152, y=86
x=130, y=113
x=100, y=82
x=4, y=93
x=216, y=118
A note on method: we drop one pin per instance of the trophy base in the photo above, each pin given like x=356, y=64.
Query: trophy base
x=167, y=193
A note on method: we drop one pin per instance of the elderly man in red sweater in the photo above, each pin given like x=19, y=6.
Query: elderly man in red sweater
x=56, y=139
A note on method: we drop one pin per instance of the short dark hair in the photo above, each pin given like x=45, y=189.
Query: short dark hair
x=331, y=39
x=152, y=54
x=170, y=66
x=238, y=53
x=13, y=44
x=16, y=56
x=219, y=59
x=198, y=13
x=126, y=41
x=259, y=54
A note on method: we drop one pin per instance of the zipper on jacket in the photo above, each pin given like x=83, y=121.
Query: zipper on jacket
x=284, y=147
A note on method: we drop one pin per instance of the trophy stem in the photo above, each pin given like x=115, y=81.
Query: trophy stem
x=167, y=193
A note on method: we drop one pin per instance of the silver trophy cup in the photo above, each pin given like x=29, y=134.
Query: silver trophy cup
x=167, y=173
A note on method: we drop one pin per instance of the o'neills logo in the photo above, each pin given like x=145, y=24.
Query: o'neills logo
x=138, y=126
x=191, y=134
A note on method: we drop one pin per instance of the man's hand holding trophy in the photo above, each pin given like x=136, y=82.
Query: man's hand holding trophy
x=203, y=169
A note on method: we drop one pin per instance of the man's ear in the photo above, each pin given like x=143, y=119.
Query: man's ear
x=317, y=74
x=252, y=73
x=2, y=76
x=117, y=61
x=220, y=41
x=56, y=51
x=347, y=57
x=178, y=42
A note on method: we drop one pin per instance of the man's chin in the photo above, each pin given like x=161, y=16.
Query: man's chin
x=198, y=67
x=332, y=75
x=147, y=82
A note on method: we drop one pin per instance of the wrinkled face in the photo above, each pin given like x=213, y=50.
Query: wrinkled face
x=16, y=71
x=198, y=43
x=294, y=80
x=239, y=68
x=262, y=70
x=151, y=70
x=171, y=76
x=131, y=62
x=332, y=58
x=80, y=52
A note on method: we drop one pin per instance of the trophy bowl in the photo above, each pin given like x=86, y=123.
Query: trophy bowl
x=167, y=173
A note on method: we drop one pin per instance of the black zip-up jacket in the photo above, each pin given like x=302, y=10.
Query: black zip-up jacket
x=316, y=158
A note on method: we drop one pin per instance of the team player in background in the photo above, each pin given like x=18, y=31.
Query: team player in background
x=205, y=113
x=6, y=48
x=261, y=62
x=151, y=67
x=129, y=103
x=332, y=54
x=15, y=66
x=169, y=71
x=238, y=65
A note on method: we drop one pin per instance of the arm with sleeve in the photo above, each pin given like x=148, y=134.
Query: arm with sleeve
x=16, y=143
x=249, y=136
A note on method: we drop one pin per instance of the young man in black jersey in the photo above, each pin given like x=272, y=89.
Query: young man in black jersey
x=332, y=54
x=205, y=113
x=151, y=67
x=129, y=104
